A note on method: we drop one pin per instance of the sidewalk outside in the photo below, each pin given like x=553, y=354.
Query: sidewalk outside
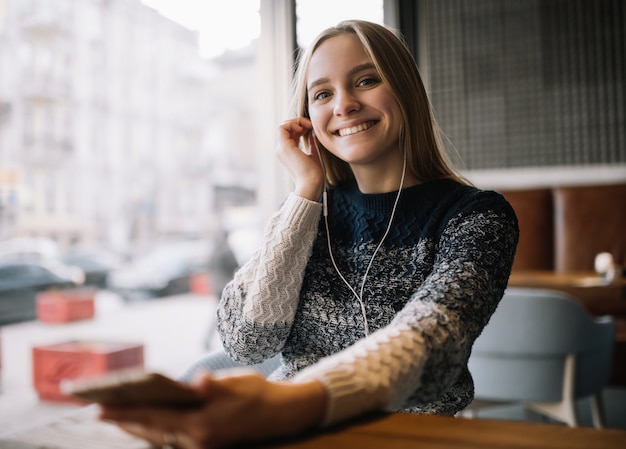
x=173, y=331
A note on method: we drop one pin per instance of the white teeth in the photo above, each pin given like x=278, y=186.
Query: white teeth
x=355, y=129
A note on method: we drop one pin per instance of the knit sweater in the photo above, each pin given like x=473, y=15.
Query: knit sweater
x=431, y=289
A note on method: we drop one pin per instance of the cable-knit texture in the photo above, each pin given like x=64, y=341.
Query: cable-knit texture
x=433, y=286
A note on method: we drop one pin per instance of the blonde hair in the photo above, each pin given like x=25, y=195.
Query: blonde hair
x=419, y=134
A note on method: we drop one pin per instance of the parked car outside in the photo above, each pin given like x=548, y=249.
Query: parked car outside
x=165, y=270
x=95, y=262
x=21, y=281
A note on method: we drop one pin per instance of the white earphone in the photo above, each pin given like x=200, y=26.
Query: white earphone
x=358, y=296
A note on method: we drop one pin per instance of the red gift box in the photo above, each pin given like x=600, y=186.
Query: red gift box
x=62, y=306
x=79, y=359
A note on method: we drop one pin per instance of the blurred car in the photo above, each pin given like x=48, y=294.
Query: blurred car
x=95, y=262
x=165, y=270
x=21, y=281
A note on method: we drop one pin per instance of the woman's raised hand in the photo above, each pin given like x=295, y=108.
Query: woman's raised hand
x=305, y=169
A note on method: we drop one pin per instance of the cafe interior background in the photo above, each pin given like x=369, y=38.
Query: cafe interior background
x=137, y=138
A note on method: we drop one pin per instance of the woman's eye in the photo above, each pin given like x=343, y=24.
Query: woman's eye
x=368, y=81
x=321, y=95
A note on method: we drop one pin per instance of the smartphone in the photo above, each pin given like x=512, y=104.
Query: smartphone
x=135, y=388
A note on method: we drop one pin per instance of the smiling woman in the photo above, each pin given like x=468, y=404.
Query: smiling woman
x=345, y=335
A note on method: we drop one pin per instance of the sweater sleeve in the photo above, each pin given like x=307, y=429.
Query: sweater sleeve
x=424, y=351
x=257, y=307
x=373, y=374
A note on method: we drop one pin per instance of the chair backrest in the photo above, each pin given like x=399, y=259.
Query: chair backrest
x=535, y=214
x=521, y=353
x=587, y=221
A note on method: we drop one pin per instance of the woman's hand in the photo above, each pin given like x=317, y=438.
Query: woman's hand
x=238, y=408
x=305, y=169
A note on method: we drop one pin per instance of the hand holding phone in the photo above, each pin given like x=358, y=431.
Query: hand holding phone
x=134, y=388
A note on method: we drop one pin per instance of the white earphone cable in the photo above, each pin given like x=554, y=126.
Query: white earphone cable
x=358, y=296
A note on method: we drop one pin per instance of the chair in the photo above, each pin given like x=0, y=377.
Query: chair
x=543, y=350
x=219, y=360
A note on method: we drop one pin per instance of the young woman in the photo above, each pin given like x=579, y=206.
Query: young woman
x=376, y=274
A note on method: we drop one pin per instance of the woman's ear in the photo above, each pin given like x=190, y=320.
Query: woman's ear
x=314, y=142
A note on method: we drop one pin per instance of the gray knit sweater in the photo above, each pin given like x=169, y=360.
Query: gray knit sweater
x=432, y=287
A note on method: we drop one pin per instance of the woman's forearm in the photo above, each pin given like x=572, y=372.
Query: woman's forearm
x=301, y=406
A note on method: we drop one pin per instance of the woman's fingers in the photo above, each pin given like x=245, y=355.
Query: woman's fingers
x=160, y=427
x=305, y=169
x=292, y=129
x=160, y=438
x=154, y=436
x=146, y=416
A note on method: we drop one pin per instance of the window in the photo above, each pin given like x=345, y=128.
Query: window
x=313, y=16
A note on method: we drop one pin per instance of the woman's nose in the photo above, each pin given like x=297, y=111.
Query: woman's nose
x=345, y=103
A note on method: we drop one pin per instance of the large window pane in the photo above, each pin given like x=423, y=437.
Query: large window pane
x=315, y=15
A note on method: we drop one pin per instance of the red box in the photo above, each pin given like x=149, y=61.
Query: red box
x=62, y=306
x=78, y=359
x=201, y=284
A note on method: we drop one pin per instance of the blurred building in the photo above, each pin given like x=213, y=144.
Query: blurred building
x=107, y=123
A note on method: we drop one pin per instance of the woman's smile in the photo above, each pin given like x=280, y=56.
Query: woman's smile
x=348, y=131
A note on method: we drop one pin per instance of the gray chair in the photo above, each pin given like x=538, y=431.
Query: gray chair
x=219, y=360
x=543, y=350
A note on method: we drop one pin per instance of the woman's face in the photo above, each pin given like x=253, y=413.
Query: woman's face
x=353, y=112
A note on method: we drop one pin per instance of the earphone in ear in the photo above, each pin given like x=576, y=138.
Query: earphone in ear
x=324, y=192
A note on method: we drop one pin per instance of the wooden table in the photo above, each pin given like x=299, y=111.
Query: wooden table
x=404, y=431
x=377, y=431
x=599, y=298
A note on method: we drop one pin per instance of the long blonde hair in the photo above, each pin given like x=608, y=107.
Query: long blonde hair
x=419, y=135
